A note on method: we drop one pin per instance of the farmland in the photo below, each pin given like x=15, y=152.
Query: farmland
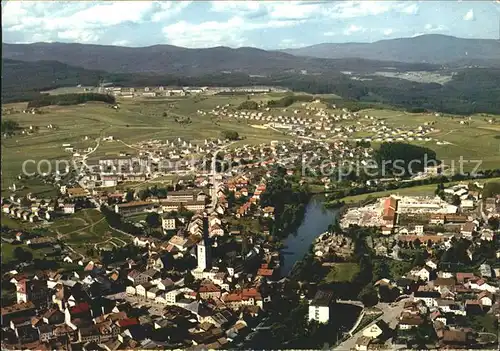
x=176, y=117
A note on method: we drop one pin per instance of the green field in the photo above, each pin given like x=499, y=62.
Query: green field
x=85, y=229
x=342, y=272
x=8, y=251
x=81, y=231
x=14, y=223
x=477, y=141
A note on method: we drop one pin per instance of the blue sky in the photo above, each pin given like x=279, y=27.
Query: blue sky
x=264, y=24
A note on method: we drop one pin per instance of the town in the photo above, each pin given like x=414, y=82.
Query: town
x=188, y=243
x=194, y=267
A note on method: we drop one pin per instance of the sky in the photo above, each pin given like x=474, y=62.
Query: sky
x=263, y=24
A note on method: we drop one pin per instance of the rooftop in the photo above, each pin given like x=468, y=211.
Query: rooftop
x=322, y=298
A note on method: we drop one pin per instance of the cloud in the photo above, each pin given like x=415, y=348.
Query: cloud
x=352, y=9
x=329, y=34
x=82, y=21
x=77, y=35
x=411, y=9
x=121, y=42
x=235, y=6
x=469, y=16
x=273, y=9
x=169, y=9
x=429, y=28
x=388, y=31
x=354, y=29
x=294, y=10
x=312, y=10
x=216, y=33
x=289, y=44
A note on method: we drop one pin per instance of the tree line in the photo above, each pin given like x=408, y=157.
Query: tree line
x=70, y=99
x=289, y=200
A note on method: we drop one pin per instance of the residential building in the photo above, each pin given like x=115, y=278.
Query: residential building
x=319, y=307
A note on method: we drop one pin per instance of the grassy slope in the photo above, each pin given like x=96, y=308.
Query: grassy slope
x=473, y=142
x=342, y=272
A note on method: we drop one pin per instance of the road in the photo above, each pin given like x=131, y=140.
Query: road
x=481, y=212
x=351, y=302
x=390, y=316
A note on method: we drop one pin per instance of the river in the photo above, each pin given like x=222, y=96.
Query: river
x=316, y=221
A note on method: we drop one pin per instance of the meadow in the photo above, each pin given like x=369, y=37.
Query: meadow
x=342, y=272
x=476, y=140
x=87, y=229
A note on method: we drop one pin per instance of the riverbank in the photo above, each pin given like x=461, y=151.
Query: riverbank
x=316, y=221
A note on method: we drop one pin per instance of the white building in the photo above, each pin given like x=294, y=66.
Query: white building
x=168, y=223
x=203, y=255
x=319, y=307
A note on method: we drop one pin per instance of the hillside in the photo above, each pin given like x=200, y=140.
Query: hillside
x=434, y=48
x=22, y=81
x=167, y=59
x=470, y=90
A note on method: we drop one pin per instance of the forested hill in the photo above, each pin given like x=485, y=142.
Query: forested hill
x=432, y=48
x=470, y=91
x=168, y=59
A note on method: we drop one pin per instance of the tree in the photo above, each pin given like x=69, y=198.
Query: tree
x=188, y=279
x=143, y=194
x=164, y=114
x=248, y=105
x=129, y=195
x=417, y=243
x=494, y=223
x=368, y=296
x=402, y=158
x=230, y=134
x=455, y=200
x=22, y=255
x=9, y=127
x=153, y=220
x=420, y=258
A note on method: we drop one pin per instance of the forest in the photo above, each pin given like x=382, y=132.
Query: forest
x=69, y=99
x=472, y=90
x=402, y=159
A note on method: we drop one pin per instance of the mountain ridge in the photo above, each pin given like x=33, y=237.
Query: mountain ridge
x=429, y=48
x=168, y=59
